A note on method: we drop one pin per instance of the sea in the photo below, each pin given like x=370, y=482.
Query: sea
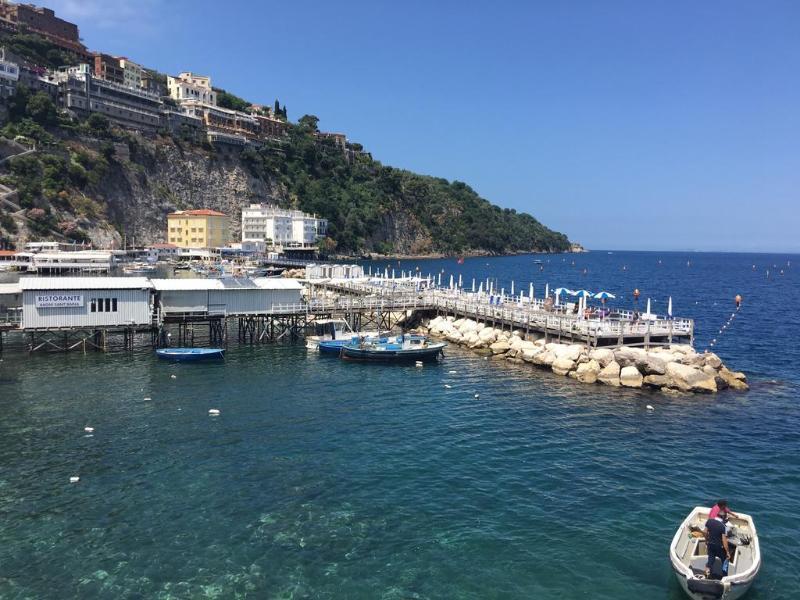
x=469, y=478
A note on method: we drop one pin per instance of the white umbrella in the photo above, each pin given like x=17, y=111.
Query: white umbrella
x=451, y=282
x=480, y=288
x=559, y=291
x=530, y=291
x=669, y=307
x=460, y=284
x=546, y=290
x=440, y=280
x=512, y=287
x=582, y=293
x=473, y=285
x=604, y=295
x=648, y=306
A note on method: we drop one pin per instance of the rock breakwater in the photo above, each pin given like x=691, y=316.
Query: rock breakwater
x=673, y=368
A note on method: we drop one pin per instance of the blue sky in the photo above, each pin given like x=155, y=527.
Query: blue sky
x=624, y=124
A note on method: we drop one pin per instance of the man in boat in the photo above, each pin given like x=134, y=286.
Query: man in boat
x=721, y=509
x=716, y=543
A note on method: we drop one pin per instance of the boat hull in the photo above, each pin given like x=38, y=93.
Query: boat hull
x=430, y=353
x=732, y=592
x=190, y=354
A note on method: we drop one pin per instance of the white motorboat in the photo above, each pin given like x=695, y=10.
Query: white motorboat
x=688, y=555
x=334, y=329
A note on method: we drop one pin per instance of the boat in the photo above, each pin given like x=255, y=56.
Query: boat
x=538, y=261
x=688, y=556
x=400, y=349
x=335, y=333
x=190, y=354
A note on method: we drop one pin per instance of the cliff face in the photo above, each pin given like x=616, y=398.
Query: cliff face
x=115, y=187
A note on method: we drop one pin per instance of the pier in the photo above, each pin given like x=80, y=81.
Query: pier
x=63, y=314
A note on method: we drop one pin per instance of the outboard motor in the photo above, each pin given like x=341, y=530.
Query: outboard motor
x=707, y=588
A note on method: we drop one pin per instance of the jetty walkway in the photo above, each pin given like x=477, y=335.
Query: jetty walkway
x=618, y=328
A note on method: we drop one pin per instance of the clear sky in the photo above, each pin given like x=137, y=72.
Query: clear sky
x=625, y=124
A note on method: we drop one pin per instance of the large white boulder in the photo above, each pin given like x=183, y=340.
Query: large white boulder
x=652, y=364
x=487, y=334
x=610, y=374
x=628, y=357
x=690, y=379
x=499, y=347
x=545, y=358
x=602, y=355
x=562, y=366
x=587, y=372
x=630, y=377
x=528, y=354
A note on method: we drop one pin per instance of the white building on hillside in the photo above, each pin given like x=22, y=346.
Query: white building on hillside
x=132, y=72
x=281, y=227
x=188, y=86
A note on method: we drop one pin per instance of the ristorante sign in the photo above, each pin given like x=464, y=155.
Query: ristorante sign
x=58, y=300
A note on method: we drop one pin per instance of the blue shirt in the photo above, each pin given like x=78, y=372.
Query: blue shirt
x=716, y=529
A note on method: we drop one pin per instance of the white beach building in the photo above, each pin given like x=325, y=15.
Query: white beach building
x=281, y=226
x=74, y=302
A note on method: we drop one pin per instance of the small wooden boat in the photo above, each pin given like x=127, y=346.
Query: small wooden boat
x=336, y=333
x=400, y=349
x=688, y=555
x=190, y=354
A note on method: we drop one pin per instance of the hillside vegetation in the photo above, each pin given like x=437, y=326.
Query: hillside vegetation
x=91, y=181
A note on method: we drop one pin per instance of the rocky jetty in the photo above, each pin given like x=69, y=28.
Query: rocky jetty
x=676, y=368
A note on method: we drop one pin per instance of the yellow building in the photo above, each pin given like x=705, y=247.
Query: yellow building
x=202, y=228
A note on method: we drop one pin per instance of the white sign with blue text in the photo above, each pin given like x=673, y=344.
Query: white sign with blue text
x=59, y=300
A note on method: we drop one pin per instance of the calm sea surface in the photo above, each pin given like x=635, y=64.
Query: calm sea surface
x=325, y=479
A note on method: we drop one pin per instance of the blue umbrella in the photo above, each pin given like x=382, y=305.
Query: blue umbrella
x=604, y=295
x=560, y=291
x=582, y=294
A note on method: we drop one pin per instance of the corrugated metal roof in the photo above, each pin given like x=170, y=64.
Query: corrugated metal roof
x=84, y=283
x=226, y=283
x=9, y=288
x=277, y=283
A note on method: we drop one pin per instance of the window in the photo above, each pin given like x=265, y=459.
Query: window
x=94, y=305
x=114, y=305
x=99, y=305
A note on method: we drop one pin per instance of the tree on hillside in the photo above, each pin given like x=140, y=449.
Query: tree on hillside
x=41, y=109
x=309, y=123
x=231, y=101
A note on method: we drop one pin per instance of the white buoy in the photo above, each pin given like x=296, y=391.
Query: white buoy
x=88, y=429
x=74, y=479
x=650, y=407
x=418, y=364
x=477, y=395
x=447, y=385
x=452, y=372
x=214, y=412
x=147, y=398
x=173, y=376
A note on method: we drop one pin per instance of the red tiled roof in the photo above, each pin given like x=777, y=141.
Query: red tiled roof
x=201, y=212
x=8, y=252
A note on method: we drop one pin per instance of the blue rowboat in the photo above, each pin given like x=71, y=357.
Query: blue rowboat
x=190, y=354
x=401, y=349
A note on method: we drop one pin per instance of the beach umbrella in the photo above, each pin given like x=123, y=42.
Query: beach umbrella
x=669, y=306
x=460, y=283
x=648, y=306
x=480, y=288
x=582, y=293
x=392, y=273
x=451, y=282
x=440, y=280
x=530, y=291
x=512, y=287
x=473, y=285
x=546, y=290
x=559, y=291
x=603, y=295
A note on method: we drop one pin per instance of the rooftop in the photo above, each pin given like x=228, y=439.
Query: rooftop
x=200, y=212
x=84, y=283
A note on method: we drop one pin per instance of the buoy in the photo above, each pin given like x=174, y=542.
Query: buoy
x=173, y=376
x=418, y=364
x=88, y=429
x=74, y=479
x=448, y=386
x=452, y=372
x=477, y=395
x=214, y=412
x=650, y=407
x=147, y=398
x=738, y=300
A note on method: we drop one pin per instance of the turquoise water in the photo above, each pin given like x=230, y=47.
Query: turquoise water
x=328, y=479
